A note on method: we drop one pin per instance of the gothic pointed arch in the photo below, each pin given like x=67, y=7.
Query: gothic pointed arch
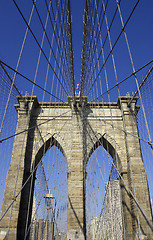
x=110, y=145
x=45, y=146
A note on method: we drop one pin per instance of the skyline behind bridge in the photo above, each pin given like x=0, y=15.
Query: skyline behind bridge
x=60, y=77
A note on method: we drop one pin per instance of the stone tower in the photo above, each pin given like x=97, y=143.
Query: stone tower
x=77, y=128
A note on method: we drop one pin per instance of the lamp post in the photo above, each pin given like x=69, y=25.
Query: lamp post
x=49, y=205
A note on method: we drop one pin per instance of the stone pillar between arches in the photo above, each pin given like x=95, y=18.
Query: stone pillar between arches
x=76, y=221
x=135, y=177
x=15, y=219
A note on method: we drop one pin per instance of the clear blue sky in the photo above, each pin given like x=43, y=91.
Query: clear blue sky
x=139, y=31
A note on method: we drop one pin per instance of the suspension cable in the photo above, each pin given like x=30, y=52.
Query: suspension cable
x=26, y=78
x=132, y=74
x=4, y=139
x=128, y=189
x=15, y=197
x=114, y=44
x=21, y=51
x=39, y=45
x=71, y=48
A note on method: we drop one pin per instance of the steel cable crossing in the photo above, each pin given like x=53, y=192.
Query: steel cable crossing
x=30, y=176
x=67, y=44
x=63, y=71
x=89, y=69
x=85, y=47
x=44, y=54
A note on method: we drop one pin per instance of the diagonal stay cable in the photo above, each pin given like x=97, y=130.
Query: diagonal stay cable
x=126, y=186
x=26, y=78
x=126, y=132
x=97, y=38
x=60, y=49
x=4, y=139
x=92, y=54
x=132, y=74
x=90, y=28
x=84, y=46
x=146, y=77
x=50, y=45
x=63, y=14
x=71, y=47
x=18, y=62
x=14, y=199
x=66, y=40
x=122, y=30
x=39, y=45
x=10, y=79
x=136, y=80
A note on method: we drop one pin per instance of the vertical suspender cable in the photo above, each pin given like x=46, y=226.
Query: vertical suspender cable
x=84, y=46
x=71, y=48
x=8, y=100
x=123, y=26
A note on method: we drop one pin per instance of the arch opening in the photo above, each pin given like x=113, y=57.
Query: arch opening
x=49, y=143
x=110, y=148
x=103, y=199
x=47, y=217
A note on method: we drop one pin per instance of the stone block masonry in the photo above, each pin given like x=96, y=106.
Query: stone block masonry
x=77, y=128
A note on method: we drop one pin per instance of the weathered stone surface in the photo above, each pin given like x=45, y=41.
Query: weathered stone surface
x=77, y=130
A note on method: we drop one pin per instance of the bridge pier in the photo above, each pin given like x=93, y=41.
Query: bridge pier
x=76, y=226
x=135, y=177
x=77, y=141
x=15, y=220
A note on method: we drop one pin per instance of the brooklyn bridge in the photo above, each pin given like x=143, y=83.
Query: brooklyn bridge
x=76, y=120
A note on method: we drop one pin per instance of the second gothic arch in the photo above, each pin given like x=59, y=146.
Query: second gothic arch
x=110, y=145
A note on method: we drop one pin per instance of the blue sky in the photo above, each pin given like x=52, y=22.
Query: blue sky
x=139, y=31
